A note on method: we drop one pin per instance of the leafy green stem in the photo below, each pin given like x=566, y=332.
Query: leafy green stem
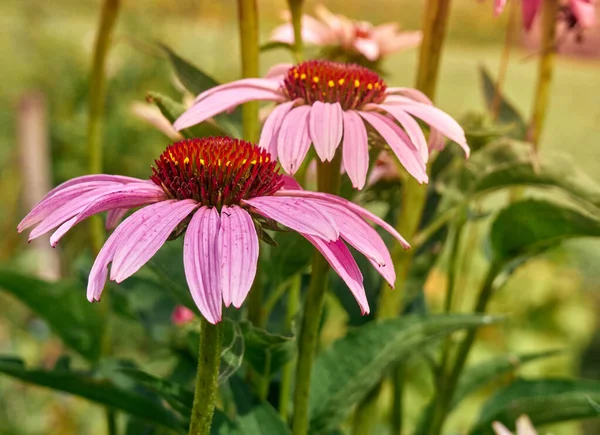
x=296, y=13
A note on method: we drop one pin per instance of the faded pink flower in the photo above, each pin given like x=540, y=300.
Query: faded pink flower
x=524, y=427
x=214, y=190
x=580, y=13
x=327, y=103
x=181, y=315
x=329, y=29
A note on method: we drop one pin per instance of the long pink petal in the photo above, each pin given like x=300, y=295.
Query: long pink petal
x=530, y=10
x=293, y=140
x=113, y=217
x=278, y=70
x=402, y=41
x=411, y=93
x=325, y=126
x=128, y=197
x=272, y=126
x=101, y=178
x=296, y=213
x=147, y=238
x=403, y=148
x=256, y=83
x=222, y=101
x=355, y=149
x=584, y=11
x=412, y=129
x=201, y=261
x=239, y=254
x=99, y=272
x=348, y=204
x=339, y=257
x=368, y=48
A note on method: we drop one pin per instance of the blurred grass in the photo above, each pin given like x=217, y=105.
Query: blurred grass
x=47, y=47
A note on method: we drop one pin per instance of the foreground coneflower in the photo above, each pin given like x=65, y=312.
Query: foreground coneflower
x=214, y=190
x=576, y=13
x=351, y=36
x=328, y=103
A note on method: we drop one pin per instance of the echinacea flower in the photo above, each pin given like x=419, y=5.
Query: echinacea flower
x=327, y=103
x=215, y=190
x=580, y=13
x=181, y=315
x=524, y=427
x=328, y=29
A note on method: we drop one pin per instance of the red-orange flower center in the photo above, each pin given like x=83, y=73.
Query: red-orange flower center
x=216, y=171
x=351, y=85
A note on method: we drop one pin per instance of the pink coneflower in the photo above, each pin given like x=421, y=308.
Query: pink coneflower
x=577, y=13
x=372, y=42
x=181, y=315
x=215, y=190
x=327, y=103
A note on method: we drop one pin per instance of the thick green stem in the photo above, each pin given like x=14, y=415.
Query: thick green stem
x=97, y=97
x=296, y=13
x=288, y=369
x=545, y=70
x=446, y=389
x=508, y=40
x=328, y=181
x=207, y=378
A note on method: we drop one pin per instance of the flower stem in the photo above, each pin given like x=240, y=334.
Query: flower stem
x=207, y=386
x=248, y=26
x=328, y=181
x=288, y=369
x=97, y=97
x=296, y=13
x=445, y=391
x=505, y=58
x=545, y=70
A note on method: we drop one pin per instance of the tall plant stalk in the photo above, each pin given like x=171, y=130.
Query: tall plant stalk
x=328, y=181
x=545, y=71
x=296, y=13
x=504, y=59
x=207, y=377
x=97, y=97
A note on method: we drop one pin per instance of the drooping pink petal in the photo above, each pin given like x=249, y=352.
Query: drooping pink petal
x=412, y=128
x=297, y=214
x=129, y=196
x=355, y=149
x=239, y=254
x=348, y=204
x=147, y=238
x=402, y=41
x=114, y=217
x=339, y=257
x=499, y=6
x=272, y=126
x=406, y=152
x=223, y=100
x=99, y=272
x=413, y=94
x=293, y=140
x=101, y=178
x=278, y=70
x=201, y=261
x=584, y=11
x=530, y=10
x=367, y=47
x=325, y=126
x=254, y=83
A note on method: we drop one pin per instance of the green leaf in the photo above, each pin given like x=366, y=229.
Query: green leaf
x=63, y=306
x=256, y=417
x=93, y=388
x=172, y=110
x=482, y=374
x=543, y=400
x=346, y=372
x=291, y=255
x=527, y=227
x=264, y=348
x=273, y=45
x=507, y=113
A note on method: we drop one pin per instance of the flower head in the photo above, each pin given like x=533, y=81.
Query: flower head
x=215, y=191
x=351, y=36
x=327, y=104
x=576, y=13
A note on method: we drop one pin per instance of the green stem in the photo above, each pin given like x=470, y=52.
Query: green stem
x=545, y=70
x=364, y=415
x=97, y=98
x=296, y=12
x=445, y=392
x=328, y=181
x=288, y=369
x=207, y=385
x=398, y=381
x=504, y=60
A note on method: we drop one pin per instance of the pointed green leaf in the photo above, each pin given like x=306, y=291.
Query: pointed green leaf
x=93, y=388
x=526, y=227
x=482, y=374
x=353, y=365
x=543, y=400
x=63, y=306
x=262, y=345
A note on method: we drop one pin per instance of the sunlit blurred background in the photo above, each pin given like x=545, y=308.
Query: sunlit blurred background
x=46, y=56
